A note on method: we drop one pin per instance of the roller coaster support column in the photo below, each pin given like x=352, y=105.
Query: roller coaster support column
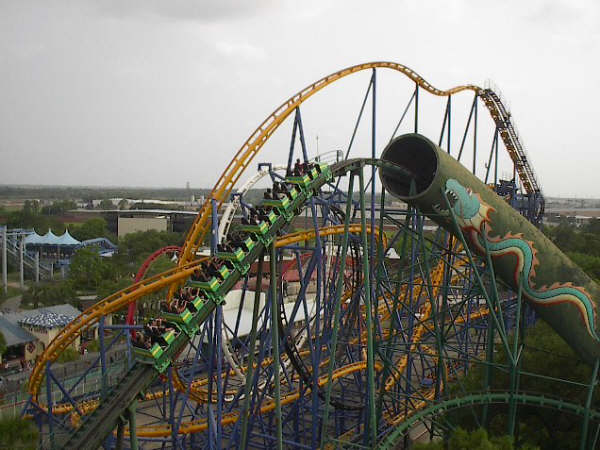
x=372, y=422
x=49, y=405
x=491, y=336
x=133, y=440
x=102, y=355
x=372, y=247
x=490, y=303
x=475, y=134
x=4, y=261
x=338, y=303
x=220, y=394
x=275, y=340
x=251, y=350
x=416, y=107
x=120, y=434
x=437, y=314
x=588, y=404
x=515, y=366
x=37, y=267
x=21, y=263
x=214, y=236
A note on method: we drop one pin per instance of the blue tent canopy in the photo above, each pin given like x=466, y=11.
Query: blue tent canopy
x=33, y=239
x=50, y=238
x=67, y=239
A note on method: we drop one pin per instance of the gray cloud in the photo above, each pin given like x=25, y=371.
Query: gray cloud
x=134, y=93
x=197, y=10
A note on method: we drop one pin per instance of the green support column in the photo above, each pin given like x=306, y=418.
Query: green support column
x=515, y=365
x=438, y=325
x=380, y=275
x=275, y=341
x=588, y=404
x=251, y=350
x=133, y=441
x=369, y=313
x=338, y=301
x=120, y=434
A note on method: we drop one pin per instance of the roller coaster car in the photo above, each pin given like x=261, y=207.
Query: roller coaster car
x=270, y=215
x=259, y=228
x=293, y=192
x=189, y=318
x=158, y=354
x=148, y=356
x=325, y=170
x=282, y=203
x=236, y=255
x=215, y=273
x=245, y=243
x=302, y=180
x=176, y=312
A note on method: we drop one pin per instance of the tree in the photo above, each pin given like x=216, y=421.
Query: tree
x=53, y=293
x=2, y=344
x=93, y=228
x=108, y=287
x=106, y=204
x=67, y=355
x=123, y=203
x=16, y=432
x=88, y=269
x=472, y=440
x=59, y=207
x=588, y=262
x=135, y=247
x=31, y=207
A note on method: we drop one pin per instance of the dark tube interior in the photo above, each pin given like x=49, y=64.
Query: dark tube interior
x=415, y=158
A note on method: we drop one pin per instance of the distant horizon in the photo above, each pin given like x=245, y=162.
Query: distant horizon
x=93, y=186
x=75, y=186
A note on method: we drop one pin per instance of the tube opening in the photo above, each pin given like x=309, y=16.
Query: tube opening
x=415, y=159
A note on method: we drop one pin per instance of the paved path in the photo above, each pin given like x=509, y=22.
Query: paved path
x=12, y=304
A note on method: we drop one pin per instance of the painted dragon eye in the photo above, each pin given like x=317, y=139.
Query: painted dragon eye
x=452, y=198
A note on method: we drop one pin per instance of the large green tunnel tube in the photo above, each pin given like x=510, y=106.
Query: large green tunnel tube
x=562, y=294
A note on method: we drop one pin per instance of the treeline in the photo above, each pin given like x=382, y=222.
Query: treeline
x=89, y=193
x=42, y=219
x=582, y=245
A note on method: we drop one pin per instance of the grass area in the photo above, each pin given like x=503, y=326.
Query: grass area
x=18, y=433
x=13, y=276
x=12, y=292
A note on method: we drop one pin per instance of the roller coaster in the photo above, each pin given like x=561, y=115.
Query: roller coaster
x=336, y=314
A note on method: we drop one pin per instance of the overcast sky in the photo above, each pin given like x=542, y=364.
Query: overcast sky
x=161, y=92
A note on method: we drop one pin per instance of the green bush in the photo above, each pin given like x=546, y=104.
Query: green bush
x=48, y=294
x=68, y=355
x=93, y=346
x=18, y=433
x=472, y=440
